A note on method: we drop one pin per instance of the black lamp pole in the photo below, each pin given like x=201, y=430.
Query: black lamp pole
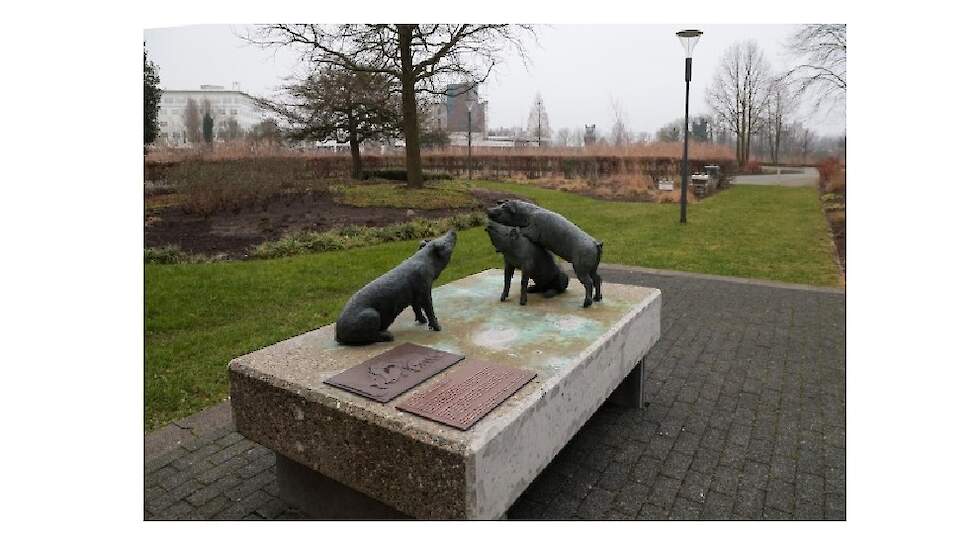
x=689, y=38
x=682, y=192
x=470, y=142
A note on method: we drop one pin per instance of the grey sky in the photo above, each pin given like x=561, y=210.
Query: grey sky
x=577, y=69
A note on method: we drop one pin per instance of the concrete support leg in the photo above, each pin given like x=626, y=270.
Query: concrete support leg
x=320, y=497
x=631, y=391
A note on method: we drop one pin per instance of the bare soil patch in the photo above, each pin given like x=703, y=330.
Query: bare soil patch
x=234, y=233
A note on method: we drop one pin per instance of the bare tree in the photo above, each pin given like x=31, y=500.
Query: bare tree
x=563, y=137
x=781, y=103
x=192, y=121
x=538, y=122
x=576, y=138
x=821, y=71
x=619, y=126
x=334, y=103
x=739, y=93
x=421, y=58
x=229, y=130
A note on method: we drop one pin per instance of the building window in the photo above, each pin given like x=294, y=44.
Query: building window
x=163, y=124
x=234, y=111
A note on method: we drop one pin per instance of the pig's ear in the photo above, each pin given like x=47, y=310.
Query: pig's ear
x=442, y=249
x=514, y=233
x=423, y=243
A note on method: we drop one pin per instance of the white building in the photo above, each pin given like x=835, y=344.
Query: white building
x=224, y=106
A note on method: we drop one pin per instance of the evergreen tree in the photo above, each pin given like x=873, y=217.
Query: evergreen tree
x=151, y=99
x=208, y=128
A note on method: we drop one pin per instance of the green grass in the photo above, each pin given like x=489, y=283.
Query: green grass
x=200, y=316
x=397, y=195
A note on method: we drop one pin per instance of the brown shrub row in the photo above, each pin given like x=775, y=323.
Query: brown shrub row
x=545, y=164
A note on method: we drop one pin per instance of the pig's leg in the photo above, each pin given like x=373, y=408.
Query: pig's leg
x=585, y=279
x=507, y=277
x=524, y=281
x=430, y=311
x=597, y=285
x=418, y=314
x=365, y=328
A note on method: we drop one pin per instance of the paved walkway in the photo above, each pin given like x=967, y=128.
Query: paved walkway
x=745, y=420
x=807, y=178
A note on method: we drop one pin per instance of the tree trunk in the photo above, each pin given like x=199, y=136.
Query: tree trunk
x=409, y=108
x=357, y=166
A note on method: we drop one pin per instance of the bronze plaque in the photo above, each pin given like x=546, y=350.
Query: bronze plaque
x=467, y=393
x=393, y=372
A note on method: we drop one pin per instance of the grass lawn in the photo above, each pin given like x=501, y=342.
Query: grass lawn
x=436, y=194
x=200, y=316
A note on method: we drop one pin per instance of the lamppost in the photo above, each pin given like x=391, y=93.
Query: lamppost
x=688, y=38
x=470, y=104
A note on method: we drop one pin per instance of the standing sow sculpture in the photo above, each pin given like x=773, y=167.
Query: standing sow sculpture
x=365, y=318
x=558, y=234
x=533, y=261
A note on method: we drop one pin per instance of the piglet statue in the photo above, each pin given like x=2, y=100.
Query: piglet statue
x=372, y=309
x=533, y=261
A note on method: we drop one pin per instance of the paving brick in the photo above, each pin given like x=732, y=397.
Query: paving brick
x=664, y=492
x=646, y=470
x=231, y=467
x=211, y=508
x=717, y=506
x=205, y=493
x=780, y=495
x=749, y=502
x=228, y=452
x=651, y=511
x=835, y=506
x=631, y=497
x=705, y=460
x=775, y=514
x=598, y=502
x=685, y=509
x=676, y=465
x=809, y=488
x=179, y=510
x=271, y=508
x=615, y=476
x=695, y=486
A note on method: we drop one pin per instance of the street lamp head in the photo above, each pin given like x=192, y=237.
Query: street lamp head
x=689, y=38
x=470, y=104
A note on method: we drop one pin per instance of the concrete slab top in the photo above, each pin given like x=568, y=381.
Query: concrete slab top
x=547, y=336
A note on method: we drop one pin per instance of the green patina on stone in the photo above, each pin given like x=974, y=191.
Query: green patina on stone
x=543, y=335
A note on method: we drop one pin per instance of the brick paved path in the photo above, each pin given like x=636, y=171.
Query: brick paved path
x=745, y=419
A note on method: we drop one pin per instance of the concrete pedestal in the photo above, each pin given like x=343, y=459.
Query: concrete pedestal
x=424, y=469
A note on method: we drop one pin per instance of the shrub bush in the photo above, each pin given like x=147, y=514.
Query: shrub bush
x=400, y=174
x=306, y=242
x=753, y=167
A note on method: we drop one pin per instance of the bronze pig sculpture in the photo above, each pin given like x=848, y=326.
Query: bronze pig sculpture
x=533, y=261
x=371, y=310
x=559, y=235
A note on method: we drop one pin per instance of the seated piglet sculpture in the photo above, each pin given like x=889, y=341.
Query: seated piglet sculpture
x=533, y=261
x=372, y=309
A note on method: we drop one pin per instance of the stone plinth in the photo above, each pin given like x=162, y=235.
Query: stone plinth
x=425, y=469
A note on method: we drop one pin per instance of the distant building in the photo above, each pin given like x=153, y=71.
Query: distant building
x=452, y=114
x=224, y=106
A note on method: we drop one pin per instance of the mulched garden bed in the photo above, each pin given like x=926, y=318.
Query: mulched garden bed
x=235, y=233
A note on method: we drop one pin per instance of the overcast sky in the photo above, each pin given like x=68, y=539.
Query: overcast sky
x=577, y=68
